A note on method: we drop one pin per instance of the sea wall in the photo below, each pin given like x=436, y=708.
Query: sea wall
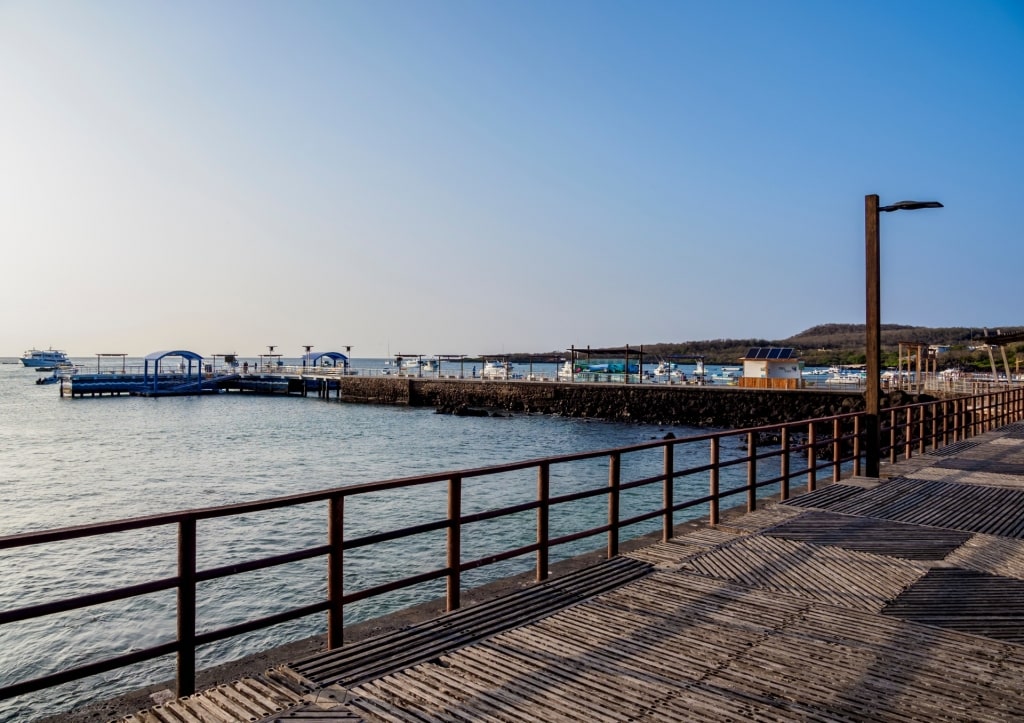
x=704, y=406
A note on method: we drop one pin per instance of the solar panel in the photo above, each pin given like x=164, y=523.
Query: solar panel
x=770, y=352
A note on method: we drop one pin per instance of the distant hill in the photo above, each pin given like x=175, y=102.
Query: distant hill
x=828, y=344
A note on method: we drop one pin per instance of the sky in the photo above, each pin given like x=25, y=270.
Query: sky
x=465, y=177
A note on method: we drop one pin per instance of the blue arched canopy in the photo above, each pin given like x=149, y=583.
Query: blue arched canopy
x=194, y=365
x=319, y=359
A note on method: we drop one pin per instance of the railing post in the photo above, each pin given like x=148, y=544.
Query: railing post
x=922, y=426
x=908, y=439
x=751, y=471
x=186, y=682
x=614, y=478
x=856, y=446
x=812, y=458
x=668, y=496
x=713, y=483
x=543, y=519
x=837, y=450
x=454, y=580
x=893, y=436
x=784, y=465
x=336, y=572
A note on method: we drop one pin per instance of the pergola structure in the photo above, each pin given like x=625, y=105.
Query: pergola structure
x=623, y=352
x=1000, y=342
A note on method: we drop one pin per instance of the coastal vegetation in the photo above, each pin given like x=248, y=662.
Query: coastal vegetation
x=843, y=344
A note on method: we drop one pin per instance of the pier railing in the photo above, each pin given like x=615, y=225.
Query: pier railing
x=774, y=460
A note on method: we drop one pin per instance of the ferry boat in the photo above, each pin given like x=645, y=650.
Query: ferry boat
x=36, y=358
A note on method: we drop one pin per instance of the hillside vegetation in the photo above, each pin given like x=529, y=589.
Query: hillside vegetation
x=828, y=344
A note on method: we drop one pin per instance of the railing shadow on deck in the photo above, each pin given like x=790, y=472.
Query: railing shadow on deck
x=797, y=451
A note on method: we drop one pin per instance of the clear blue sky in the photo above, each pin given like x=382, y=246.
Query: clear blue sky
x=477, y=177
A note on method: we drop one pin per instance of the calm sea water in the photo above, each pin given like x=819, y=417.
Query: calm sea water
x=70, y=462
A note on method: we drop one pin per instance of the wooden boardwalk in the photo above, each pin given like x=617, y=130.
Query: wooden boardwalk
x=893, y=601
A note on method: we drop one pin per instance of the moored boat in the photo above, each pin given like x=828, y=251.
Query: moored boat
x=51, y=358
x=496, y=370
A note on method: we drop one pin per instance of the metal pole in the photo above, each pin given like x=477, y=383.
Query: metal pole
x=872, y=284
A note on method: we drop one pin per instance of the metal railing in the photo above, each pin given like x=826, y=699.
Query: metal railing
x=775, y=459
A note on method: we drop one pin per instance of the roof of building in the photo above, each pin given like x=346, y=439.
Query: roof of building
x=770, y=352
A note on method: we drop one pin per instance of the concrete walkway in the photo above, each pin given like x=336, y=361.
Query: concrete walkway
x=899, y=600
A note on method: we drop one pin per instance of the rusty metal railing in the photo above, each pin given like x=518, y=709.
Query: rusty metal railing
x=801, y=450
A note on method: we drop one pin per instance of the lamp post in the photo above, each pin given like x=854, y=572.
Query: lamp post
x=873, y=391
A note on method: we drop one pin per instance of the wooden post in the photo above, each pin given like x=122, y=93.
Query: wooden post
x=614, y=479
x=543, y=519
x=751, y=471
x=668, y=493
x=837, y=450
x=784, y=465
x=713, y=481
x=186, y=681
x=872, y=283
x=454, y=579
x=335, y=572
x=812, y=458
x=856, y=446
x=892, y=436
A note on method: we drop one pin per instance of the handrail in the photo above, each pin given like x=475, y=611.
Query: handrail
x=802, y=449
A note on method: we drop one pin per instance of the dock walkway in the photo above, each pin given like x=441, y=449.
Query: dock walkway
x=865, y=600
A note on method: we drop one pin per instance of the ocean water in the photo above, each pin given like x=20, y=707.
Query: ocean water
x=69, y=462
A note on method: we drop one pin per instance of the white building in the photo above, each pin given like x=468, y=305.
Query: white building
x=771, y=367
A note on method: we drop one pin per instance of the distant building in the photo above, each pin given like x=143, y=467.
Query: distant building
x=939, y=348
x=771, y=367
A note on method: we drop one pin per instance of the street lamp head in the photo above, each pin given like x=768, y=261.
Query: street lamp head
x=910, y=206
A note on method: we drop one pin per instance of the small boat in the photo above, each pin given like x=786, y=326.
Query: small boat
x=36, y=358
x=669, y=370
x=496, y=370
x=727, y=375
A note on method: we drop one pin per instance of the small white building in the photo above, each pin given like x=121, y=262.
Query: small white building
x=771, y=367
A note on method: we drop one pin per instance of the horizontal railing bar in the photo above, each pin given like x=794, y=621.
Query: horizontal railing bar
x=260, y=623
x=394, y=585
x=626, y=522
x=84, y=671
x=499, y=557
x=394, y=534
x=574, y=536
x=500, y=512
x=575, y=496
x=84, y=601
x=262, y=563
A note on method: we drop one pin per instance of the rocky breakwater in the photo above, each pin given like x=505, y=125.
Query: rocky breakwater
x=727, y=407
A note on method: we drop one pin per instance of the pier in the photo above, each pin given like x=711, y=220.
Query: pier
x=891, y=599
x=833, y=596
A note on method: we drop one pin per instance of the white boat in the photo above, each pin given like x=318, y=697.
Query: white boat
x=565, y=372
x=496, y=370
x=430, y=365
x=842, y=375
x=49, y=358
x=670, y=371
x=727, y=375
